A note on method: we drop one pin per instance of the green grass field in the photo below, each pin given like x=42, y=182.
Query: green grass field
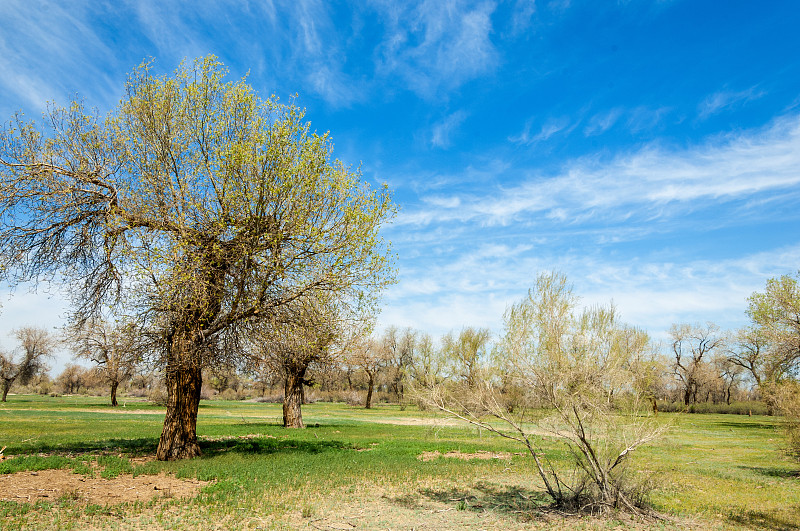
x=360, y=469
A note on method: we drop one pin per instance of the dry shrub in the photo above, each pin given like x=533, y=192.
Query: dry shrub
x=786, y=397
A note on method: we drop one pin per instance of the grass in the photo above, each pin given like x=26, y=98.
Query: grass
x=356, y=467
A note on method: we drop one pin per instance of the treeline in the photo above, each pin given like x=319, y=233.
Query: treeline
x=700, y=368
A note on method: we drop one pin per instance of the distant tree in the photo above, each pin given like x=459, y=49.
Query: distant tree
x=693, y=347
x=369, y=356
x=429, y=364
x=196, y=208
x=398, y=352
x=466, y=353
x=72, y=378
x=28, y=359
x=728, y=373
x=775, y=314
x=114, y=348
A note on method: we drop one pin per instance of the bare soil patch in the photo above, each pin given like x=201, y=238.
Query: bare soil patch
x=55, y=485
x=482, y=454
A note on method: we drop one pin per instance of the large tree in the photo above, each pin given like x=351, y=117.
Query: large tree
x=196, y=207
x=25, y=362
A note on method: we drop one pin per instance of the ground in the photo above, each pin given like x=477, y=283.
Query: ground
x=31, y=487
x=76, y=463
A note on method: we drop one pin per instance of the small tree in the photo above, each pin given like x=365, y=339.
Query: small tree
x=428, y=369
x=27, y=360
x=114, y=348
x=302, y=339
x=775, y=314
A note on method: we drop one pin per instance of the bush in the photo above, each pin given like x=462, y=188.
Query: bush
x=157, y=396
x=787, y=403
x=231, y=394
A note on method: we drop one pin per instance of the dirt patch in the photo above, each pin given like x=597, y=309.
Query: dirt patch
x=54, y=485
x=429, y=456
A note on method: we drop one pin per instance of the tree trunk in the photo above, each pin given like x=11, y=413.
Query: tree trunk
x=184, y=378
x=293, y=401
x=114, y=386
x=654, y=401
x=6, y=387
x=370, y=385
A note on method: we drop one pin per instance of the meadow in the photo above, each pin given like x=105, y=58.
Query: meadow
x=384, y=468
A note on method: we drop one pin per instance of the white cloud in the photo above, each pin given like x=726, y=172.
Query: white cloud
x=474, y=287
x=727, y=100
x=642, y=182
x=437, y=44
x=600, y=123
x=551, y=127
x=48, y=51
x=442, y=131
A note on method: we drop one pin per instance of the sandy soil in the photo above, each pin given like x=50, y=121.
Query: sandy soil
x=53, y=485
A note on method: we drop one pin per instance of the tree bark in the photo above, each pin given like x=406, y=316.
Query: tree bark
x=114, y=386
x=6, y=387
x=293, y=400
x=370, y=385
x=184, y=378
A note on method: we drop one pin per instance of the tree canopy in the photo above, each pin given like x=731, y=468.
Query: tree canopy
x=195, y=207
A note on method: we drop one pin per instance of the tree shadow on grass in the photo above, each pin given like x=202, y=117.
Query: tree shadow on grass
x=147, y=446
x=268, y=445
x=130, y=447
x=768, y=521
x=745, y=425
x=520, y=503
x=774, y=472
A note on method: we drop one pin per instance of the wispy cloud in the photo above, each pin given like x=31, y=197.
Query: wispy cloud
x=50, y=56
x=437, y=44
x=644, y=181
x=600, y=123
x=442, y=131
x=727, y=100
x=550, y=128
x=475, y=286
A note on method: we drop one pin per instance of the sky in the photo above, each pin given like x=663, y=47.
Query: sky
x=648, y=150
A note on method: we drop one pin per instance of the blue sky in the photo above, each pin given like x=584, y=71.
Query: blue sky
x=650, y=150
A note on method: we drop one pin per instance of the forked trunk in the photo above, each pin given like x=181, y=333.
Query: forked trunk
x=114, y=386
x=292, y=401
x=370, y=385
x=184, y=379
